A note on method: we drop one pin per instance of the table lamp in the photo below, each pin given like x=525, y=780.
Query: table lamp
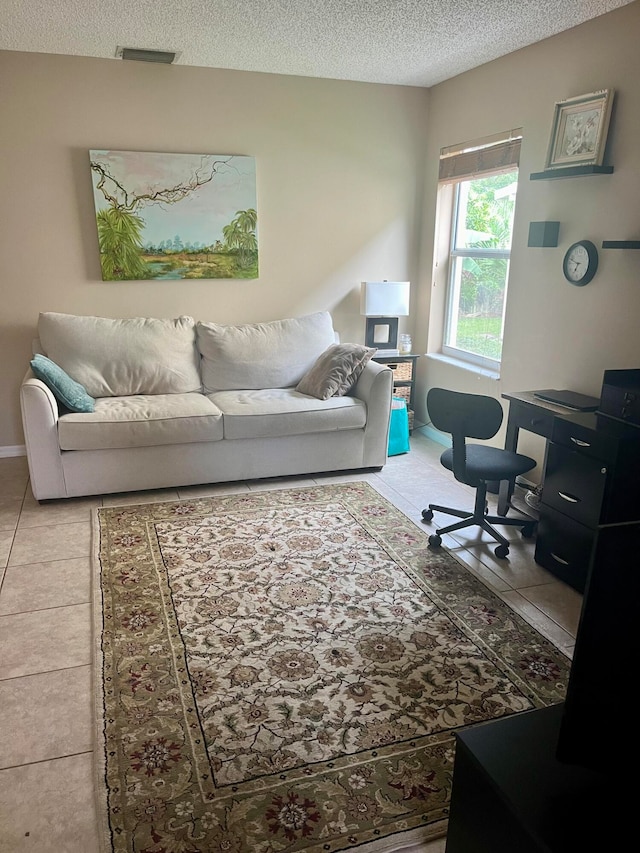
x=382, y=302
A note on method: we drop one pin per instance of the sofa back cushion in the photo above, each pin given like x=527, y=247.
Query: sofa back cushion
x=117, y=358
x=262, y=355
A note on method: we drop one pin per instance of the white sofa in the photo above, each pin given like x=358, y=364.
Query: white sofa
x=180, y=402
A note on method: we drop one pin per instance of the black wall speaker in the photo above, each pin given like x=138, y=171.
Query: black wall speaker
x=543, y=234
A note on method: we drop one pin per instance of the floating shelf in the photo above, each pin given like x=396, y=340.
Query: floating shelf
x=570, y=172
x=621, y=244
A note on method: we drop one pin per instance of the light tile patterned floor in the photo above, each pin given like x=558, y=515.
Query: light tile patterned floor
x=46, y=773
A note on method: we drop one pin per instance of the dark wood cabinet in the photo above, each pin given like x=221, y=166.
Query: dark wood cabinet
x=563, y=547
x=591, y=478
x=574, y=484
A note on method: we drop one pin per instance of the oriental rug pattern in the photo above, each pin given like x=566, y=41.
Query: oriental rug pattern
x=284, y=671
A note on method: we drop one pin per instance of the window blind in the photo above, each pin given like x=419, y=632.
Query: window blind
x=494, y=154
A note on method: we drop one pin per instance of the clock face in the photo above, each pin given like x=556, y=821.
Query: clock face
x=580, y=262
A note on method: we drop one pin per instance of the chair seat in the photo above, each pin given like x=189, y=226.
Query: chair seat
x=490, y=463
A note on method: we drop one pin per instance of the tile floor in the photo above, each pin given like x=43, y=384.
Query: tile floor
x=46, y=771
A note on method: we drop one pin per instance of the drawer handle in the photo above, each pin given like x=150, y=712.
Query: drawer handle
x=559, y=559
x=570, y=498
x=579, y=442
x=536, y=421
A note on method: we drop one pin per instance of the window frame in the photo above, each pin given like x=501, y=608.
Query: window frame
x=454, y=253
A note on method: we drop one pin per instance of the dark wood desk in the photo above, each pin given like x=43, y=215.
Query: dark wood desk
x=590, y=479
x=533, y=415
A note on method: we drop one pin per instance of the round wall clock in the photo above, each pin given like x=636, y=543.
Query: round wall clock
x=580, y=262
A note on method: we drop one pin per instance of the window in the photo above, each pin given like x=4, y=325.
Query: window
x=482, y=184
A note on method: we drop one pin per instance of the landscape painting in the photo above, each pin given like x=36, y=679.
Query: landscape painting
x=175, y=216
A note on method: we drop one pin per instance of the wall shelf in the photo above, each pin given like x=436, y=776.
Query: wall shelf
x=570, y=172
x=621, y=244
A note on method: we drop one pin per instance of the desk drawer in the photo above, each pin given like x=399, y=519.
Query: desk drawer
x=574, y=484
x=590, y=442
x=563, y=547
x=532, y=418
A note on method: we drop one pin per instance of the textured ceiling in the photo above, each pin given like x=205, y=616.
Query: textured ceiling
x=410, y=42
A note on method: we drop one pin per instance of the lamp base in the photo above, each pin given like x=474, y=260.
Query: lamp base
x=382, y=333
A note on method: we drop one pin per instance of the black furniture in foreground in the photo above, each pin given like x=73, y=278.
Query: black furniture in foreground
x=479, y=417
x=562, y=779
x=511, y=794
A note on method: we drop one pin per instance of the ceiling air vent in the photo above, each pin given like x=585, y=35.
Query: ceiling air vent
x=164, y=57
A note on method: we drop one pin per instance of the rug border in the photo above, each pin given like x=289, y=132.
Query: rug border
x=97, y=660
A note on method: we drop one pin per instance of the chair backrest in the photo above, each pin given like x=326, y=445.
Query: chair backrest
x=463, y=416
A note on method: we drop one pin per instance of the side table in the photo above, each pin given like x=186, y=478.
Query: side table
x=404, y=375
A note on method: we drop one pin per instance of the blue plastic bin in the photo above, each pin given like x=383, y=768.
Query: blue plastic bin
x=399, y=428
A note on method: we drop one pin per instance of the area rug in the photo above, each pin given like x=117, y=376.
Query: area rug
x=285, y=671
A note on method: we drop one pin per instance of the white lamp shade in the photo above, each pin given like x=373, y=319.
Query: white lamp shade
x=385, y=298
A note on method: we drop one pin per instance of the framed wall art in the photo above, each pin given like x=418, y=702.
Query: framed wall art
x=579, y=130
x=175, y=216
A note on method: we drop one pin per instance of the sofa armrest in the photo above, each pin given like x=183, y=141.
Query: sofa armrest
x=40, y=424
x=375, y=388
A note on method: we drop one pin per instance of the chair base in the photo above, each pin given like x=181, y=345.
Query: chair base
x=479, y=518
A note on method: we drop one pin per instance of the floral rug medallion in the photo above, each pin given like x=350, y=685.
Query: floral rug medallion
x=285, y=671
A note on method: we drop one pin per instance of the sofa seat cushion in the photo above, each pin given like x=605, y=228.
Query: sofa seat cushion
x=142, y=421
x=117, y=358
x=262, y=355
x=274, y=412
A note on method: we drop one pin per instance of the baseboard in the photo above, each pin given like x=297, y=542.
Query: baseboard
x=12, y=450
x=526, y=484
x=434, y=435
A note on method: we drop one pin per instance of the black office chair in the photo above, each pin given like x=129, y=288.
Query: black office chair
x=474, y=416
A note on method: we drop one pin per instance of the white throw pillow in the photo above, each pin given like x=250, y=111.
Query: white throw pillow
x=262, y=355
x=115, y=358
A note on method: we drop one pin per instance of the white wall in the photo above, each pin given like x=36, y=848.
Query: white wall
x=556, y=335
x=339, y=170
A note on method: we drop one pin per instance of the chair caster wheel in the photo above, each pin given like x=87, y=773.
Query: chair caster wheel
x=501, y=551
x=528, y=530
x=427, y=515
x=435, y=541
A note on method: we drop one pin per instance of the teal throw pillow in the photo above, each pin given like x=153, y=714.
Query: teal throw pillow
x=65, y=389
